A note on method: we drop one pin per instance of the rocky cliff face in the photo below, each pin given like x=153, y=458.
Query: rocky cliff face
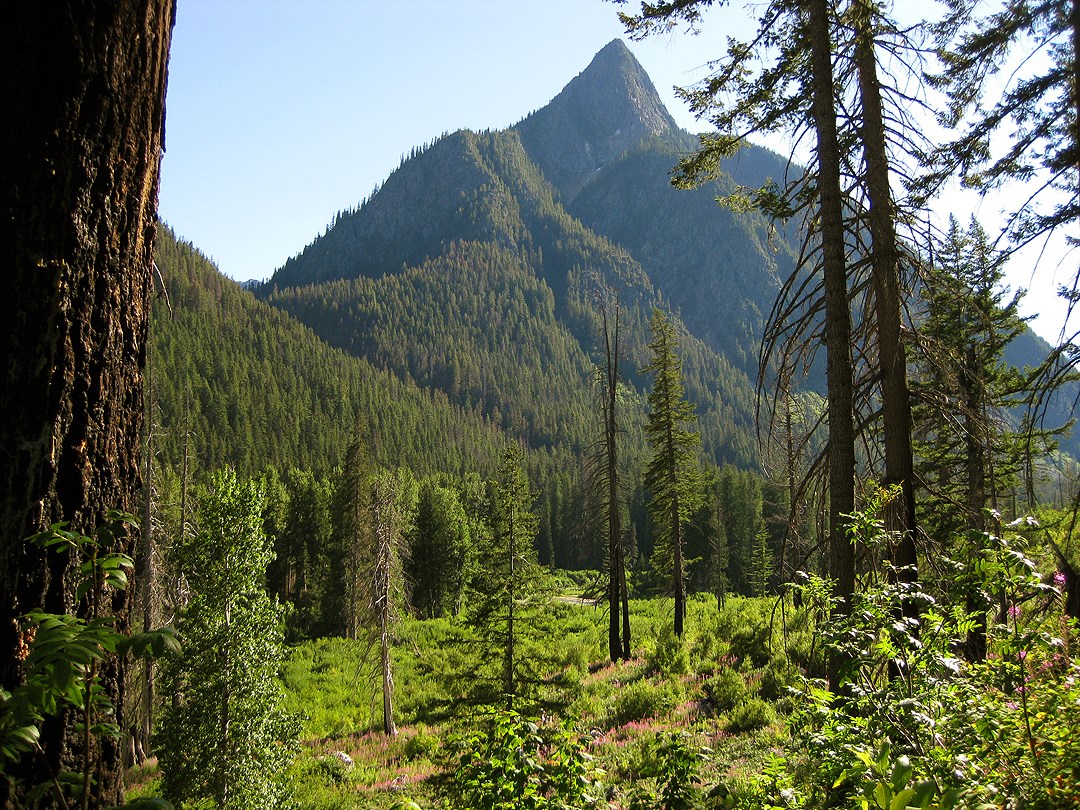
x=608, y=108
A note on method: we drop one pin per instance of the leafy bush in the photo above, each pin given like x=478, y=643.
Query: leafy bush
x=505, y=768
x=672, y=775
x=668, y=655
x=777, y=676
x=63, y=658
x=643, y=699
x=421, y=745
x=916, y=725
x=725, y=690
x=750, y=715
x=332, y=769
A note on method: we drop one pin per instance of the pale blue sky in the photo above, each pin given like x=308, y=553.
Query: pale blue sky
x=282, y=112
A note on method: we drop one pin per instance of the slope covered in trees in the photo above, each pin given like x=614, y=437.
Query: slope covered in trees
x=244, y=384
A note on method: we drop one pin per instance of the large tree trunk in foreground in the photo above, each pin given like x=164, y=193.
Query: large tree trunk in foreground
x=885, y=270
x=837, y=313
x=83, y=100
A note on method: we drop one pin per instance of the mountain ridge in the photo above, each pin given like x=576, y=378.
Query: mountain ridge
x=577, y=191
x=608, y=108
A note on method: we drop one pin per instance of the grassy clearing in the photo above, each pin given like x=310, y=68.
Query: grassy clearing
x=721, y=685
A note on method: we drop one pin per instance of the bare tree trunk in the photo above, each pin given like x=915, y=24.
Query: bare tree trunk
x=616, y=571
x=84, y=104
x=145, y=564
x=680, y=579
x=385, y=528
x=508, y=661
x=625, y=595
x=885, y=271
x=837, y=313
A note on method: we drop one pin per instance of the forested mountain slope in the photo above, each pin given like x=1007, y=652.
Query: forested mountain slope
x=249, y=386
x=469, y=282
x=407, y=279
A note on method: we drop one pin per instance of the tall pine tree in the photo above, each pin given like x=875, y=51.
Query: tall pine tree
x=672, y=475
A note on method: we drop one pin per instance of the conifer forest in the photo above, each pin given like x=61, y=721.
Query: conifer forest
x=585, y=463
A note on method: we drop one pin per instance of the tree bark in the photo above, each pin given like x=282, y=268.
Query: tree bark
x=616, y=572
x=885, y=271
x=837, y=312
x=84, y=100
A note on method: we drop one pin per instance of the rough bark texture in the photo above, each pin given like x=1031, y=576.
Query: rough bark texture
x=837, y=311
x=83, y=99
x=885, y=270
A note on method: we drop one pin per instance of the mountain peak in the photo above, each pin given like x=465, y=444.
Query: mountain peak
x=610, y=107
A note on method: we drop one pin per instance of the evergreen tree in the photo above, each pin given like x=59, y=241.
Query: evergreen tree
x=509, y=587
x=719, y=550
x=302, y=571
x=969, y=453
x=352, y=518
x=761, y=564
x=672, y=475
x=224, y=737
x=439, y=548
x=1030, y=130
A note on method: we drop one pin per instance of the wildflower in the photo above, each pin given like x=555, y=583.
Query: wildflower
x=1014, y=611
x=26, y=639
x=1059, y=579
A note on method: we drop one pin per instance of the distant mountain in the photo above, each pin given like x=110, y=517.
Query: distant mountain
x=246, y=385
x=609, y=109
x=473, y=270
x=535, y=196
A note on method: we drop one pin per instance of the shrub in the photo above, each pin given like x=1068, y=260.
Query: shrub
x=332, y=769
x=421, y=745
x=668, y=655
x=751, y=643
x=777, y=676
x=504, y=768
x=725, y=690
x=643, y=699
x=673, y=775
x=750, y=715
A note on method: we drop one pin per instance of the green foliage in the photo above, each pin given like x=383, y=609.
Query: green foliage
x=643, y=699
x=672, y=475
x=971, y=430
x=225, y=737
x=505, y=768
x=64, y=657
x=668, y=654
x=725, y=690
x=246, y=385
x=673, y=779
x=777, y=676
x=440, y=552
x=510, y=591
x=422, y=745
x=749, y=715
x=918, y=725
